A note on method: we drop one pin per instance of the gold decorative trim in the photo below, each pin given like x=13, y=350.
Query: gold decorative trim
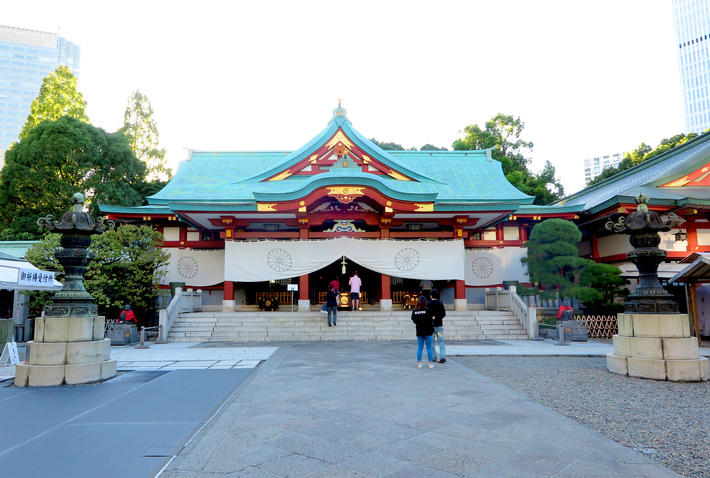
x=429, y=207
x=262, y=206
x=281, y=176
x=302, y=203
x=389, y=203
x=314, y=158
x=388, y=209
x=397, y=176
x=339, y=137
x=366, y=159
x=677, y=183
x=345, y=190
x=302, y=209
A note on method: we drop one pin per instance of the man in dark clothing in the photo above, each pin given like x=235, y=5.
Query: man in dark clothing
x=438, y=312
x=331, y=301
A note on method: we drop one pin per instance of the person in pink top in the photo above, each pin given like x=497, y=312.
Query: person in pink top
x=355, y=284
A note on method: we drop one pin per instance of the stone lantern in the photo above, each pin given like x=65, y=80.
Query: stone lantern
x=69, y=346
x=654, y=338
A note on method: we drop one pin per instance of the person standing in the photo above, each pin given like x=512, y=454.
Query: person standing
x=438, y=312
x=421, y=316
x=355, y=284
x=331, y=302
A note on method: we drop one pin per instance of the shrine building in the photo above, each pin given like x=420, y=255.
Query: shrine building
x=244, y=226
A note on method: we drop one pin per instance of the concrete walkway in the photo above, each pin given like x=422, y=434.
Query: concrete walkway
x=316, y=409
x=363, y=409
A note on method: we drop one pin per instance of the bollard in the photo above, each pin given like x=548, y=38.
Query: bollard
x=161, y=339
x=561, y=335
x=142, y=345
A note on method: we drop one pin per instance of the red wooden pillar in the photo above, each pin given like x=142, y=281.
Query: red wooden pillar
x=303, y=288
x=499, y=233
x=228, y=290
x=595, y=246
x=385, y=285
x=691, y=229
x=460, y=290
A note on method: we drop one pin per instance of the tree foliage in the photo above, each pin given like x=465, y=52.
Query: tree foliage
x=502, y=135
x=128, y=269
x=57, y=97
x=643, y=153
x=62, y=157
x=553, y=261
x=431, y=147
x=601, y=285
x=388, y=146
x=140, y=128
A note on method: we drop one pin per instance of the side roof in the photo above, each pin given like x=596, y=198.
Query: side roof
x=652, y=178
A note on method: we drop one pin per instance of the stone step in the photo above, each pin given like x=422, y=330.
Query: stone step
x=259, y=326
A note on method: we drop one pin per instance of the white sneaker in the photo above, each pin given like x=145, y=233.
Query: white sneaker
x=324, y=312
x=431, y=365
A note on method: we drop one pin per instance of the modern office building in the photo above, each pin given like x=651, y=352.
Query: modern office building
x=26, y=58
x=593, y=167
x=692, y=27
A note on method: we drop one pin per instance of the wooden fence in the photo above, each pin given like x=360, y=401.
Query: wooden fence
x=600, y=326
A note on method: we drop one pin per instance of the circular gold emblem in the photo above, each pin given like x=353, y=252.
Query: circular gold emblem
x=346, y=190
x=302, y=203
x=345, y=164
x=389, y=203
x=343, y=299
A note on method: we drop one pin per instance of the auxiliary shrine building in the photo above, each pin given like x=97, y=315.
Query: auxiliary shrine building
x=243, y=226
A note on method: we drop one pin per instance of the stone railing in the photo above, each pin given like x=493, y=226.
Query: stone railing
x=183, y=302
x=499, y=299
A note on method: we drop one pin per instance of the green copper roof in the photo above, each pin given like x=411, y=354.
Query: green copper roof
x=451, y=179
x=646, y=177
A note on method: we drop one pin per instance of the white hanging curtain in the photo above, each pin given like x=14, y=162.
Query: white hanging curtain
x=270, y=260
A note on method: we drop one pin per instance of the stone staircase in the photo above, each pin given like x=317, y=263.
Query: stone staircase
x=278, y=326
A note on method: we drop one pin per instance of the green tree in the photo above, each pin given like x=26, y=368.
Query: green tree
x=59, y=158
x=502, y=134
x=128, y=269
x=553, y=261
x=431, y=147
x=57, y=97
x=643, y=153
x=388, y=146
x=601, y=285
x=140, y=128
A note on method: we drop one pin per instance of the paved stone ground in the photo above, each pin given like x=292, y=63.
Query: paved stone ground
x=363, y=409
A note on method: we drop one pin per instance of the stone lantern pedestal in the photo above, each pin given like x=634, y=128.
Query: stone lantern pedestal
x=66, y=350
x=69, y=345
x=658, y=347
x=654, y=340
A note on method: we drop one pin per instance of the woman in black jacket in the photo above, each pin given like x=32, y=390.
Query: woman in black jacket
x=422, y=317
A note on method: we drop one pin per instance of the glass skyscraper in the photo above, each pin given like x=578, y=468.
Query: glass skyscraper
x=692, y=27
x=26, y=58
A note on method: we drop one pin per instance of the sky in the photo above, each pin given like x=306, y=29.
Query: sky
x=586, y=78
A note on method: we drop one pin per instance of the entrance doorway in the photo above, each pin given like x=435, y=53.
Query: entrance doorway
x=319, y=280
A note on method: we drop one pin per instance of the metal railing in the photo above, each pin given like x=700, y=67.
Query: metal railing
x=500, y=299
x=183, y=302
x=158, y=330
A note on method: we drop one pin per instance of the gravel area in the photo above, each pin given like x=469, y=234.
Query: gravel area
x=667, y=421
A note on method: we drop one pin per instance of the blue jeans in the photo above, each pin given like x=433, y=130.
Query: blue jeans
x=439, y=334
x=420, y=345
x=334, y=312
